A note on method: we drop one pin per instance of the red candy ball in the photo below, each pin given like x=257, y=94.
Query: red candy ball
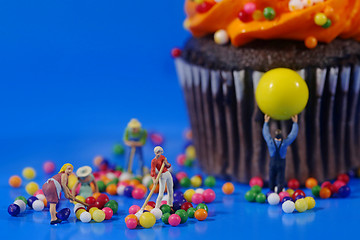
x=256, y=181
x=103, y=199
x=108, y=213
x=293, y=183
x=244, y=17
x=343, y=177
x=175, y=52
x=204, y=7
x=297, y=193
x=337, y=185
x=209, y=195
x=181, y=158
x=186, y=206
x=90, y=200
x=151, y=204
x=138, y=193
x=181, y=175
x=327, y=184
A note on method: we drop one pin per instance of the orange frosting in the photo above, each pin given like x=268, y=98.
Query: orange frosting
x=296, y=25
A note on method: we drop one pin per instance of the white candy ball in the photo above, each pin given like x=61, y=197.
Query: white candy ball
x=120, y=190
x=307, y=3
x=295, y=5
x=221, y=37
x=38, y=205
x=85, y=217
x=125, y=176
x=40, y=197
x=146, y=180
x=21, y=204
x=77, y=206
x=110, y=175
x=273, y=199
x=288, y=206
x=157, y=213
x=199, y=190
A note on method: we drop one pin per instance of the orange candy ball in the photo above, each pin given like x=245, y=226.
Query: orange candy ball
x=156, y=189
x=131, y=216
x=311, y=42
x=310, y=183
x=201, y=214
x=15, y=181
x=134, y=182
x=228, y=188
x=111, y=189
x=329, y=11
x=142, y=187
x=325, y=193
x=96, y=195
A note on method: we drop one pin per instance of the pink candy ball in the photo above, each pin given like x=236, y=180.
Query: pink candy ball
x=180, y=159
x=249, y=8
x=49, y=167
x=40, y=191
x=131, y=223
x=181, y=175
x=138, y=193
x=134, y=209
x=163, y=202
x=197, y=198
x=283, y=194
x=208, y=195
x=256, y=181
x=337, y=185
x=108, y=212
x=174, y=220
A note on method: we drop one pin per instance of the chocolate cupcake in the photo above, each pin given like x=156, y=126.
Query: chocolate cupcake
x=219, y=80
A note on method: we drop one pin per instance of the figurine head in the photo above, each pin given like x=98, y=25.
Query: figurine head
x=134, y=125
x=84, y=172
x=278, y=135
x=67, y=168
x=158, y=151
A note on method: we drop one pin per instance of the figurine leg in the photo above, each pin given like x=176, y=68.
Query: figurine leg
x=280, y=178
x=53, y=211
x=170, y=188
x=161, y=191
x=272, y=178
x=128, y=153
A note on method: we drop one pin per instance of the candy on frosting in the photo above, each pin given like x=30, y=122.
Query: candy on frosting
x=294, y=19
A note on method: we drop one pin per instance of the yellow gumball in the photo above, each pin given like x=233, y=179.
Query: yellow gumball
x=98, y=215
x=147, y=220
x=290, y=192
x=92, y=210
x=79, y=212
x=190, y=152
x=72, y=180
x=80, y=198
x=188, y=194
x=281, y=93
x=301, y=205
x=310, y=202
x=31, y=188
x=196, y=181
x=29, y=173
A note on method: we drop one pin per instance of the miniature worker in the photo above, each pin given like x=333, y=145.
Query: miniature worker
x=52, y=188
x=165, y=177
x=277, y=148
x=135, y=139
x=85, y=178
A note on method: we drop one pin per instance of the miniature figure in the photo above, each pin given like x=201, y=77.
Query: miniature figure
x=135, y=139
x=277, y=148
x=165, y=177
x=85, y=178
x=52, y=188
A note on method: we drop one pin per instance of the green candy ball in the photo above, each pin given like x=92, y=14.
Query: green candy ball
x=188, y=162
x=185, y=182
x=165, y=218
x=210, y=181
x=191, y=212
x=113, y=205
x=250, y=196
x=183, y=215
x=269, y=13
x=101, y=186
x=203, y=206
x=316, y=191
x=114, y=181
x=260, y=198
x=165, y=208
x=256, y=189
x=327, y=24
x=21, y=198
x=118, y=149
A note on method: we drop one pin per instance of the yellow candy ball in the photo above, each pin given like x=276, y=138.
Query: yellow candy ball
x=98, y=215
x=188, y=194
x=147, y=220
x=72, y=180
x=190, y=152
x=186, y=24
x=29, y=173
x=320, y=19
x=31, y=188
x=196, y=181
x=301, y=205
x=79, y=212
x=92, y=210
x=290, y=192
x=80, y=198
x=310, y=202
x=257, y=15
x=281, y=93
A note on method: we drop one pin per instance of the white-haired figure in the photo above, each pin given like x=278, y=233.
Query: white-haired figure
x=165, y=177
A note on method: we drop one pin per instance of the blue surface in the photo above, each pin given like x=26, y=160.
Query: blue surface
x=72, y=74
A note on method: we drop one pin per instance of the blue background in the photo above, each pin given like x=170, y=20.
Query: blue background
x=72, y=74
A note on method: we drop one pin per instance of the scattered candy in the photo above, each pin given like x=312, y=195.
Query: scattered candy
x=31, y=188
x=85, y=217
x=293, y=183
x=325, y=193
x=250, y=196
x=201, y=214
x=15, y=181
x=197, y=198
x=38, y=205
x=165, y=218
x=29, y=173
x=21, y=204
x=344, y=191
x=320, y=19
x=191, y=212
x=174, y=220
x=108, y=212
x=310, y=183
x=209, y=195
x=311, y=42
x=288, y=206
x=260, y=198
x=273, y=199
x=63, y=214
x=228, y=188
x=157, y=213
x=256, y=181
x=210, y=181
x=49, y=167
x=14, y=210
x=183, y=215
x=301, y=205
x=269, y=13
x=310, y=202
x=98, y=215
x=131, y=223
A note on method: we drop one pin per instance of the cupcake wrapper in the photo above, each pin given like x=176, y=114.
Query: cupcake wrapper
x=227, y=123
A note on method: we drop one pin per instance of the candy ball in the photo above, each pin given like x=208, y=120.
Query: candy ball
x=79, y=212
x=344, y=191
x=188, y=194
x=185, y=182
x=221, y=37
x=209, y=195
x=250, y=7
x=49, y=167
x=228, y=188
x=250, y=196
x=182, y=214
x=191, y=212
x=269, y=13
x=281, y=93
x=98, y=215
x=165, y=209
x=301, y=205
x=108, y=212
x=120, y=190
x=125, y=176
x=15, y=181
x=103, y=199
x=256, y=181
x=290, y=191
x=22, y=199
x=288, y=207
x=316, y=191
x=133, y=216
x=174, y=220
x=202, y=206
x=310, y=202
x=113, y=205
x=128, y=191
x=260, y=198
x=197, y=198
x=134, y=209
x=337, y=185
x=210, y=181
x=320, y=19
x=63, y=214
x=29, y=173
x=185, y=206
x=138, y=193
x=131, y=223
x=199, y=190
x=165, y=218
x=152, y=204
x=310, y=183
x=256, y=189
x=181, y=175
x=157, y=213
x=111, y=189
x=78, y=206
x=282, y=195
x=31, y=188
x=326, y=184
x=311, y=42
x=273, y=199
x=13, y=210
x=196, y=181
x=147, y=220
x=286, y=199
x=201, y=214
x=31, y=200
x=297, y=193
x=92, y=210
x=85, y=217
x=21, y=204
x=38, y=205
x=325, y=193
x=80, y=198
x=343, y=177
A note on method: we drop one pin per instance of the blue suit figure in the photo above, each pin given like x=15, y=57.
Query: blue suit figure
x=277, y=148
